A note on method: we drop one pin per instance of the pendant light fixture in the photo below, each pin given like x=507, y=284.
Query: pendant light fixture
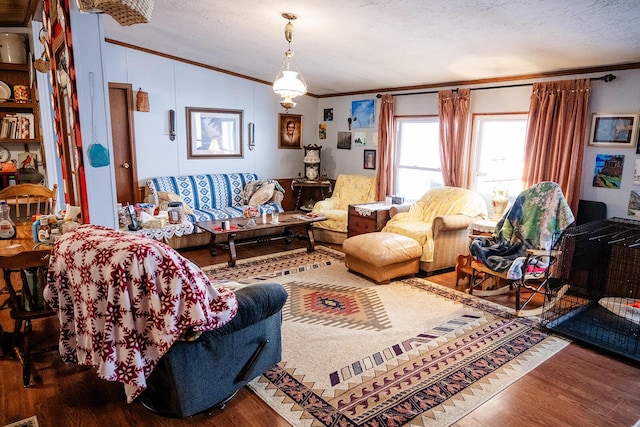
x=289, y=82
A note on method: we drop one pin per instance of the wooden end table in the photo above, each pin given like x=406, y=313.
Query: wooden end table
x=240, y=234
x=301, y=184
x=367, y=218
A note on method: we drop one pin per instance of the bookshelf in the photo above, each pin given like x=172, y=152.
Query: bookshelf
x=12, y=75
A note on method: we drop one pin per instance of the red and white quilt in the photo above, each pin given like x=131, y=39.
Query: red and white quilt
x=123, y=300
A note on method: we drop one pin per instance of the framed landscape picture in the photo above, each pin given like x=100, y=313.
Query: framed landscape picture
x=614, y=130
x=214, y=133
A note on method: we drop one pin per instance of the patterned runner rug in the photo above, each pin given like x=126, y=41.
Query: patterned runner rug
x=408, y=353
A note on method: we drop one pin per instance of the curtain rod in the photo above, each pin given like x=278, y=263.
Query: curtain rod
x=606, y=78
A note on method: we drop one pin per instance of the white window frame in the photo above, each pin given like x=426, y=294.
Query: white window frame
x=514, y=183
x=397, y=167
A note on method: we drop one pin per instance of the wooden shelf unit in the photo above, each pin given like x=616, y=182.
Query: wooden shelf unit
x=21, y=74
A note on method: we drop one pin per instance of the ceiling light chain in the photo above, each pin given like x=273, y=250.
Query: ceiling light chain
x=289, y=82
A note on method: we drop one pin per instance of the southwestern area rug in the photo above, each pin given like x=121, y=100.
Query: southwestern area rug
x=411, y=353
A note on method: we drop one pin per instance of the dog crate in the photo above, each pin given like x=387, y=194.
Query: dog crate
x=599, y=267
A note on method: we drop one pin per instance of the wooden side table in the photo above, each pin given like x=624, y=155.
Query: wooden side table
x=367, y=218
x=482, y=227
x=300, y=185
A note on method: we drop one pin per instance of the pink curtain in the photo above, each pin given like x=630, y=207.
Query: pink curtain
x=558, y=117
x=386, y=147
x=453, y=111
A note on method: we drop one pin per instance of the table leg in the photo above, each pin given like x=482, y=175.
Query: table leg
x=311, y=243
x=212, y=245
x=299, y=195
x=232, y=249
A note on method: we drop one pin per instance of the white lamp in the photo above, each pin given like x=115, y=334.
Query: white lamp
x=289, y=82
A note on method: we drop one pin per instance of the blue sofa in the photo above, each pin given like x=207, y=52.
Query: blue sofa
x=195, y=376
x=211, y=197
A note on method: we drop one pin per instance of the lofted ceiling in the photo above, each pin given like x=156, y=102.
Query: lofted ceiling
x=347, y=45
x=344, y=46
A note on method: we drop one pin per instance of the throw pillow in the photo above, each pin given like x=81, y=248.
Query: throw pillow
x=262, y=195
x=249, y=189
x=164, y=197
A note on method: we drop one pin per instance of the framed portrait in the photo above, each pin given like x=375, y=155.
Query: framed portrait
x=369, y=159
x=614, y=130
x=214, y=133
x=289, y=131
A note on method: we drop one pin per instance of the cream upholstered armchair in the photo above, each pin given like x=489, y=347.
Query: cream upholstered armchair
x=349, y=190
x=439, y=222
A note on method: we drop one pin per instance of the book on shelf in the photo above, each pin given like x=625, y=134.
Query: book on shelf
x=17, y=126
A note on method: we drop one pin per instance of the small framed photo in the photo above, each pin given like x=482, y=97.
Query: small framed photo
x=213, y=133
x=328, y=114
x=370, y=159
x=289, y=130
x=614, y=130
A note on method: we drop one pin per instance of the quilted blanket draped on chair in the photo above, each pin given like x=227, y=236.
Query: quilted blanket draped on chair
x=348, y=190
x=535, y=221
x=417, y=223
x=123, y=300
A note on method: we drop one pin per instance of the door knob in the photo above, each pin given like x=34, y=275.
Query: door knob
x=126, y=165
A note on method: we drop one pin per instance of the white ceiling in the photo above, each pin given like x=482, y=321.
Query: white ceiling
x=359, y=45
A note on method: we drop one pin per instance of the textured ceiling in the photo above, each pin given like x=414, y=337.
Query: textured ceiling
x=347, y=45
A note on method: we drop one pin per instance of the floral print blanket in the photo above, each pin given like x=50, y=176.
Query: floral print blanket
x=537, y=218
x=123, y=300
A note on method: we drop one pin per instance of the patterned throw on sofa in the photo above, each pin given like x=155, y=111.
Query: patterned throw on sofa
x=220, y=196
x=349, y=190
x=418, y=222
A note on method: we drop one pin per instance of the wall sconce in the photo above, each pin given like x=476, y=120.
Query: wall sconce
x=142, y=101
x=172, y=125
x=252, y=141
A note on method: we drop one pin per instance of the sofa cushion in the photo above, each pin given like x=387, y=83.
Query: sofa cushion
x=262, y=194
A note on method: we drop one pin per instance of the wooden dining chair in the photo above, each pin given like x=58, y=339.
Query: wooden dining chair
x=25, y=275
x=27, y=200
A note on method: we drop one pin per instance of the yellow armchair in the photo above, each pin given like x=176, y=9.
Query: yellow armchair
x=439, y=222
x=349, y=190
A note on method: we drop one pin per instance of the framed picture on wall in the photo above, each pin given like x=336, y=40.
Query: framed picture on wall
x=614, y=130
x=214, y=133
x=289, y=131
x=369, y=159
x=344, y=140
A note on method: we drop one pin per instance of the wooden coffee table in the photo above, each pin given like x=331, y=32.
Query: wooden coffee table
x=240, y=234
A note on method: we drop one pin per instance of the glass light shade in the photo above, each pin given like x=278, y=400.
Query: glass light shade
x=288, y=85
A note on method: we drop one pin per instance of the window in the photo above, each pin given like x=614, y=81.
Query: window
x=498, y=154
x=417, y=162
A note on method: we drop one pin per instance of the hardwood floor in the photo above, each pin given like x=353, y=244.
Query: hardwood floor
x=579, y=386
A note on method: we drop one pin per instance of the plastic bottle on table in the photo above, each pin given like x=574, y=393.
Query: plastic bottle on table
x=35, y=227
x=7, y=226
